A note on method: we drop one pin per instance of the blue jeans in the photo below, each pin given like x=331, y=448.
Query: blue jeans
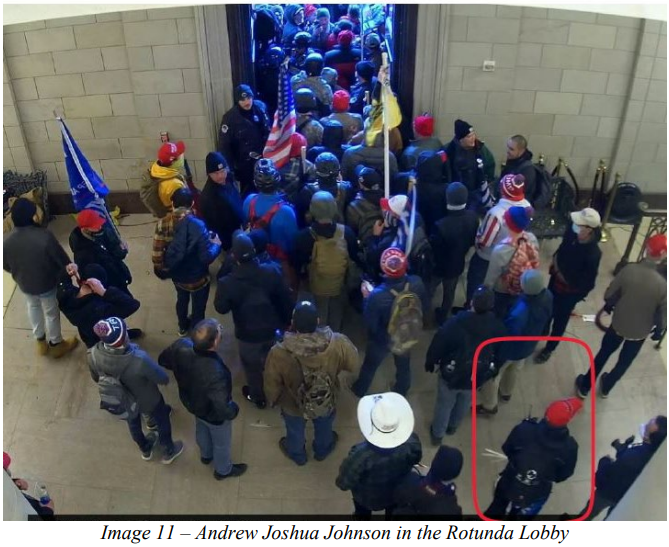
x=161, y=415
x=215, y=442
x=450, y=408
x=375, y=353
x=295, y=438
x=198, y=300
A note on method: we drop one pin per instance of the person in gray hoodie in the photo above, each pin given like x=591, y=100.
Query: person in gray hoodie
x=140, y=375
x=308, y=361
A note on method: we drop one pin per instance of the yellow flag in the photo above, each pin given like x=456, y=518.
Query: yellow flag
x=375, y=121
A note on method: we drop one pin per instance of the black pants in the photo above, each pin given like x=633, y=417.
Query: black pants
x=199, y=305
x=478, y=268
x=598, y=506
x=364, y=512
x=563, y=305
x=610, y=343
x=449, y=285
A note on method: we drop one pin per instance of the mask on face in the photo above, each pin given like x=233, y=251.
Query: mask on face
x=576, y=228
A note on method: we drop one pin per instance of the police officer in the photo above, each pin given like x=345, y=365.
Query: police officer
x=300, y=52
x=311, y=78
x=244, y=132
x=307, y=117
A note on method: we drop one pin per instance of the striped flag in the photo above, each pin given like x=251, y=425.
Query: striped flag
x=278, y=144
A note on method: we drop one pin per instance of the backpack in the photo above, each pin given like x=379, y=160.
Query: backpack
x=264, y=222
x=115, y=397
x=329, y=263
x=421, y=259
x=316, y=394
x=340, y=199
x=456, y=366
x=368, y=215
x=524, y=258
x=543, y=188
x=406, y=321
x=148, y=193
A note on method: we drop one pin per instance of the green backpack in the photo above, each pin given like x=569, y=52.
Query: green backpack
x=316, y=395
x=329, y=264
x=406, y=321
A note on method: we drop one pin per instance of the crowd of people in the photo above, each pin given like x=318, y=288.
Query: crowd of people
x=301, y=247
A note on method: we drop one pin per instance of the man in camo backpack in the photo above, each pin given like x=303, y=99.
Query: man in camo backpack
x=301, y=376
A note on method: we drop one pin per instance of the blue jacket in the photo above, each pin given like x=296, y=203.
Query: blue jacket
x=529, y=316
x=283, y=226
x=379, y=305
x=191, y=251
x=614, y=477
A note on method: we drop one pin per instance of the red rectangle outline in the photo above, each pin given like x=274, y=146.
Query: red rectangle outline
x=592, y=413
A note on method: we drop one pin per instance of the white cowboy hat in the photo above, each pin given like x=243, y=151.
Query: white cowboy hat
x=386, y=419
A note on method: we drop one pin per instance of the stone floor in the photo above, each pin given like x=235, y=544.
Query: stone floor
x=55, y=432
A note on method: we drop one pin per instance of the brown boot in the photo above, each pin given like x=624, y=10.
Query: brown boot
x=64, y=347
x=42, y=347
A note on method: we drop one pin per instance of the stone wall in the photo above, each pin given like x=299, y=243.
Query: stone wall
x=119, y=79
x=579, y=85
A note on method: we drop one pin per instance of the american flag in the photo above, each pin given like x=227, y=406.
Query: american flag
x=278, y=144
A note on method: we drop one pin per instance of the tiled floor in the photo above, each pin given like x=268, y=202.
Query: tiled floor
x=55, y=432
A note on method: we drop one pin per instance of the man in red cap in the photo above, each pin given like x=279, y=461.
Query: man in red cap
x=352, y=123
x=297, y=171
x=381, y=316
x=540, y=453
x=637, y=296
x=343, y=59
x=423, y=129
x=163, y=178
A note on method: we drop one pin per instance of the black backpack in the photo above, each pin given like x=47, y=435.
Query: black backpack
x=456, y=367
x=531, y=474
x=368, y=215
x=543, y=187
x=421, y=259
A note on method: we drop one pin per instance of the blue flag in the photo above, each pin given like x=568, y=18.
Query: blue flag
x=85, y=184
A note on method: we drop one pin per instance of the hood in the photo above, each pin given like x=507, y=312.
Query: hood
x=430, y=170
x=109, y=360
x=308, y=345
x=289, y=13
x=333, y=136
x=552, y=437
x=163, y=173
x=525, y=156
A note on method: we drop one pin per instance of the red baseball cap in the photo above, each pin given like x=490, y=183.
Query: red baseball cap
x=345, y=37
x=297, y=141
x=560, y=413
x=90, y=220
x=340, y=101
x=394, y=262
x=424, y=125
x=656, y=246
x=170, y=151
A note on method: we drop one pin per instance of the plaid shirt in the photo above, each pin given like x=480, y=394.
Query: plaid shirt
x=372, y=473
x=163, y=236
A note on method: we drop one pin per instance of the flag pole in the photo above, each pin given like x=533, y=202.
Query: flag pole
x=386, y=139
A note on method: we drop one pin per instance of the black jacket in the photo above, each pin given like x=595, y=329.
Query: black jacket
x=551, y=452
x=523, y=165
x=417, y=495
x=34, y=258
x=451, y=239
x=259, y=300
x=190, y=252
x=342, y=191
x=358, y=91
x=242, y=133
x=579, y=262
x=614, y=477
x=464, y=167
x=221, y=209
x=205, y=383
x=304, y=243
x=333, y=142
x=431, y=191
x=94, y=251
x=84, y=312
x=458, y=339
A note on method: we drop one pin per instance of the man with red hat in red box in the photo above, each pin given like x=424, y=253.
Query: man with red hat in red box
x=163, y=179
x=423, y=129
x=540, y=453
x=352, y=123
x=637, y=296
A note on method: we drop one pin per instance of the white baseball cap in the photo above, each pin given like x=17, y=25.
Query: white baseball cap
x=386, y=419
x=587, y=217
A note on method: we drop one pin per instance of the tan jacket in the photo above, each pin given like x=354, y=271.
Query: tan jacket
x=323, y=349
x=639, y=293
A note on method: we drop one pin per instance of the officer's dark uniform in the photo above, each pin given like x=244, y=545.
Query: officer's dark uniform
x=242, y=137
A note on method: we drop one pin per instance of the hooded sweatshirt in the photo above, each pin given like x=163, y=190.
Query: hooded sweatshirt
x=170, y=181
x=333, y=137
x=321, y=350
x=290, y=29
x=431, y=190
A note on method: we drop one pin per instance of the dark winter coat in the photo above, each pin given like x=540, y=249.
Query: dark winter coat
x=304, y=243
x=409, y=157
x=417, y=495
x=189, y=254
x=464, y=167
x=460, y=336
x=93, y=251
x=529, y=316
x=290, y=29
x=243, y=133
x=379, y=305
x=614, y=477
x=523, y=165
x=451, y=240
x=363, y=212
x=84, y=312
x=368, y=156
x=34, y=258
x=221, y=209
x=372, y=473
x=578, y=263
x=551, y=451
x=205, y=383
x=259, y=300
x=141, y=376
x=333, y=139
x=358, y=91
x=431, y=190
x=343, y=60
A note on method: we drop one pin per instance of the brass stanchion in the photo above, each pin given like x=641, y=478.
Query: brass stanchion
x=609, y=206
x=593, y=192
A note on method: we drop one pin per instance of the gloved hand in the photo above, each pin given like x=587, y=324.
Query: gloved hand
x=429, y=367
x=619, y=446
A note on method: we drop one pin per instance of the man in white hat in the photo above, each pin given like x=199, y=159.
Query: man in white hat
x=373, y=468
x=573, y=272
